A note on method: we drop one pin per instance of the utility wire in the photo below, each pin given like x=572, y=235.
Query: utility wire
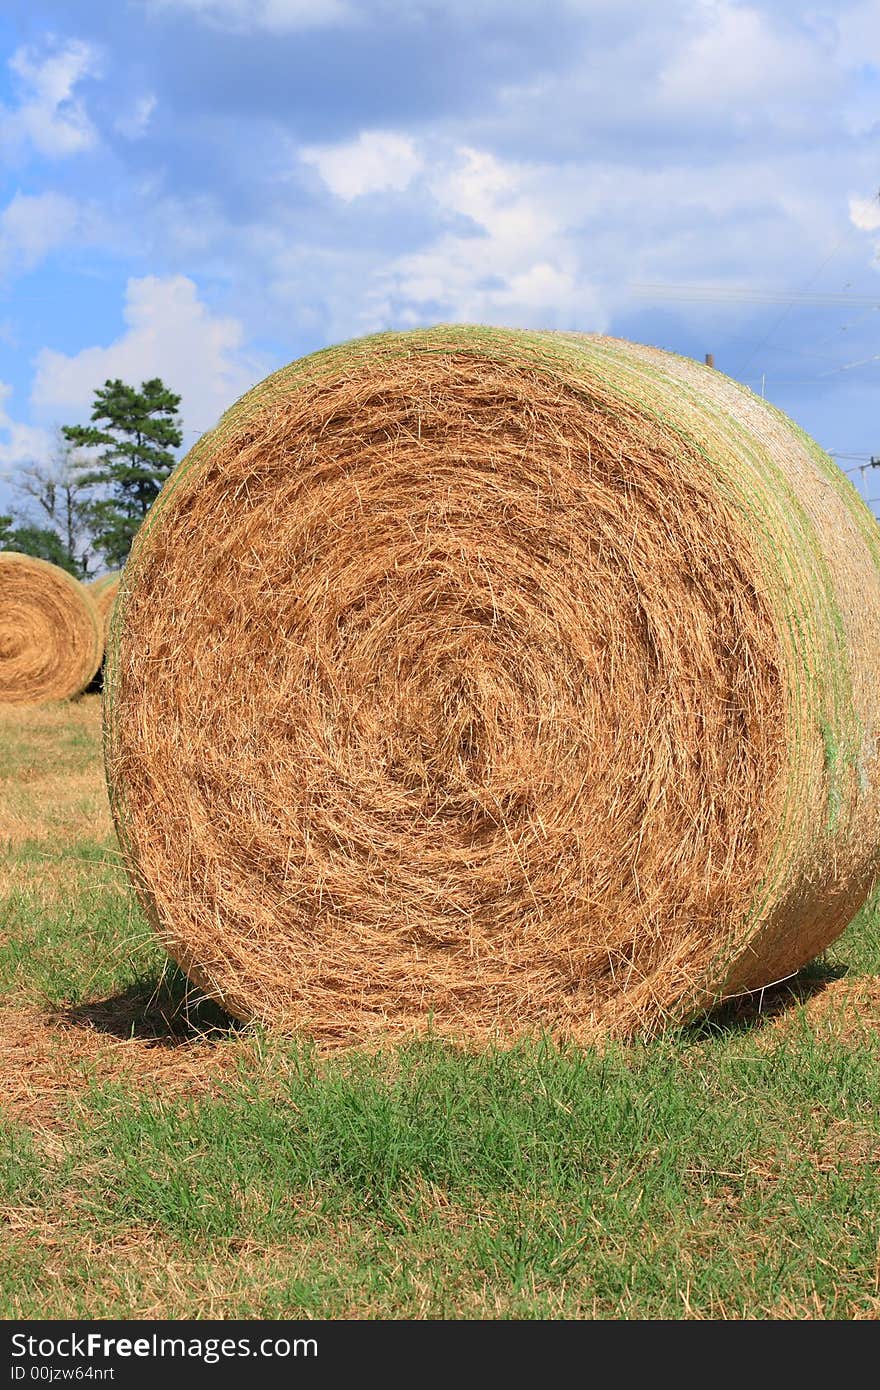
x=788, y=308
x=850, y=366
x=866, y=462
x=743, y=294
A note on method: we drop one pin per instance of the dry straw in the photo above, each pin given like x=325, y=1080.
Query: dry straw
x=497, y=682
x=103, y=593
x=51, y=640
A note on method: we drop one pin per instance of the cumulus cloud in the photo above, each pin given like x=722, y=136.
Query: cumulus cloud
x=534, y=243
x=377, y=161
x=498, y=245
x=50, y=117
x=275, y=16
x=513, y=261
x=171, y=333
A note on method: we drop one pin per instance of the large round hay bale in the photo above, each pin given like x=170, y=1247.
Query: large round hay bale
x=498, y=682
x=51, y=640
x=103, y=593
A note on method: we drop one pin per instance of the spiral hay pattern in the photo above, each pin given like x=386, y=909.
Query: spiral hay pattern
x=497, y=682
x=51, y=640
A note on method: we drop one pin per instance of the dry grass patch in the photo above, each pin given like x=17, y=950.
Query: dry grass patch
x=847, y=1009
x=34, y=737
x=47, y=880
x=61, y=809
x=136, y=1273
x=48, y=1060
x=52, y=787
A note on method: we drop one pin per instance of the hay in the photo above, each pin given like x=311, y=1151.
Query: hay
x=497, y=682
x=50, y=637
x=103, y=593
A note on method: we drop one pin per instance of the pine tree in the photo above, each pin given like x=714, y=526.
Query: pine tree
x=136, y=432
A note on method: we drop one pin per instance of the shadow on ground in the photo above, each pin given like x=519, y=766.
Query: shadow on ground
x=167, y=1012
x=763, y=1006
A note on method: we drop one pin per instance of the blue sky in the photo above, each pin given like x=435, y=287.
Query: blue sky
x=205, y=189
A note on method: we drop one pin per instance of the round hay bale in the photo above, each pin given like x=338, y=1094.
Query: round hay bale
x=51, y=640
x=103, y=593
x=497, y=682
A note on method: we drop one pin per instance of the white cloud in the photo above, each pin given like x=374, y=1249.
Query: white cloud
x=519, y=265
x=537, y=244
x=734, y=55
x=20, y=443
x=32, y=225
x=552, y=245
x=864, y=213
x=377, y=161
x=276, y=16
x=50, y=118
x=133, y=124
x=170, y=333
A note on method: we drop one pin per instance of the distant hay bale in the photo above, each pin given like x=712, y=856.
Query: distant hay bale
x=50, y=635
x=497, y=682
x=103, y=593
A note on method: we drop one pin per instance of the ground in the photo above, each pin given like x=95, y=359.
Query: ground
x=158, y=1161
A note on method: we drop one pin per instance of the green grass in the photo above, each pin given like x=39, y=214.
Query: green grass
x=730, y=1170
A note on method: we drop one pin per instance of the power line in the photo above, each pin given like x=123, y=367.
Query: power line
x=866, y=461
x=845, y=327
x=850, y=366
x=720, y=294
x=787, y=310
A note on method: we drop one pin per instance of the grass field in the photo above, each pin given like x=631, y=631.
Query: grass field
x=155, y=1161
